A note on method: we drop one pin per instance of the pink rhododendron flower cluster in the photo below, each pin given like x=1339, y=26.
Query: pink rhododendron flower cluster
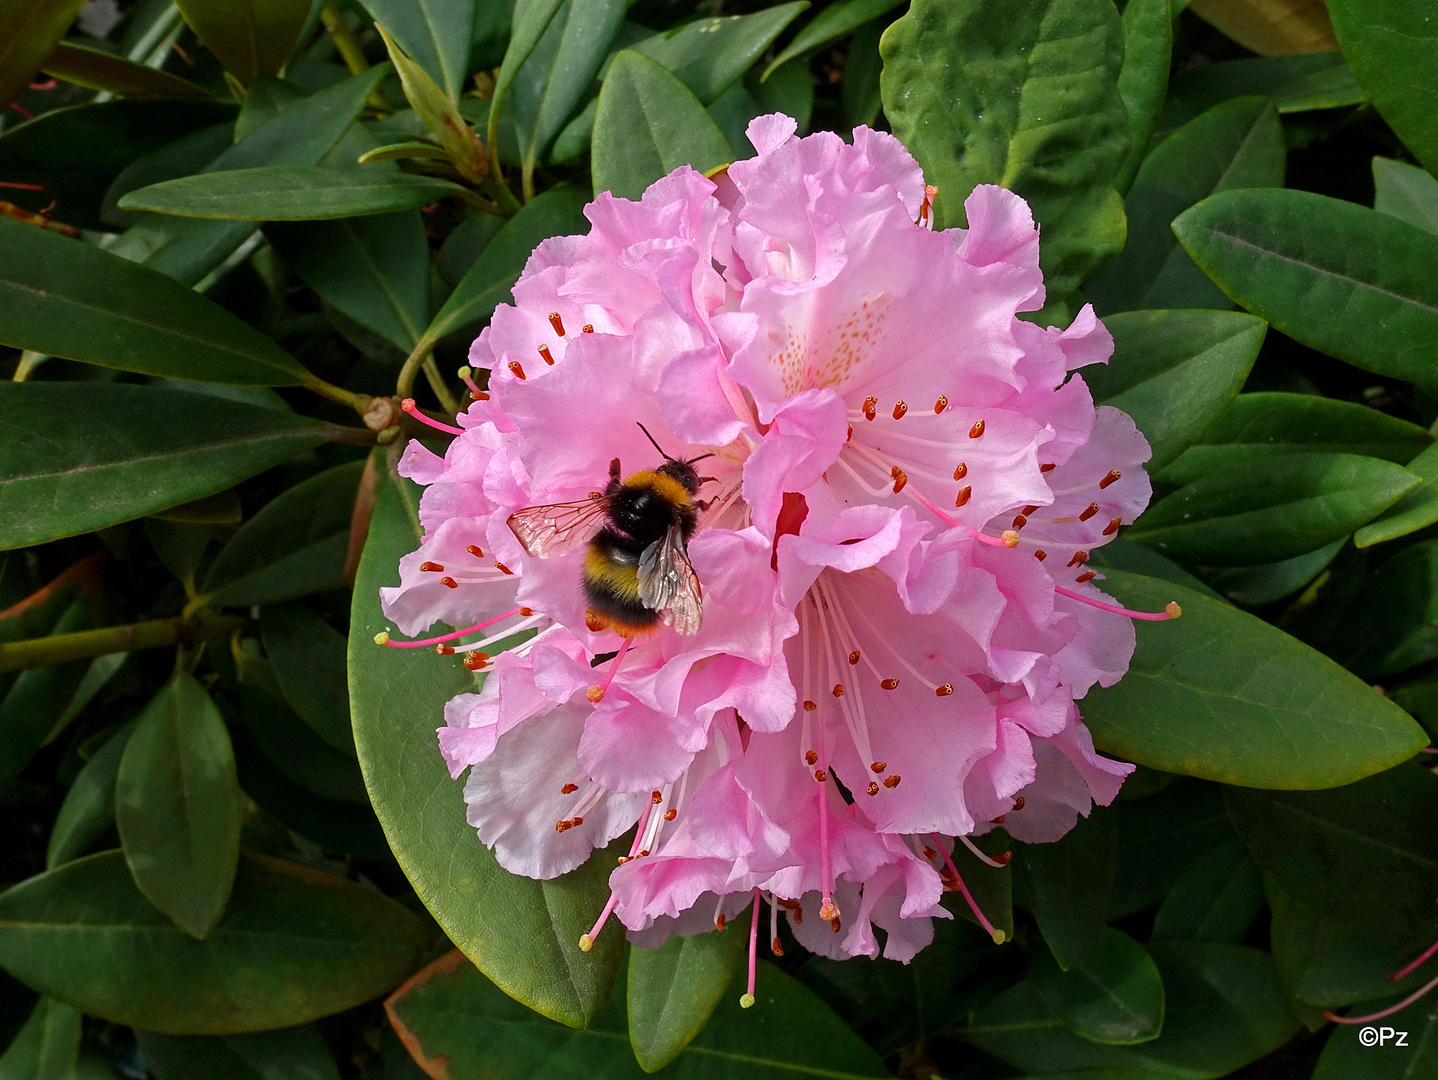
x=902, y=481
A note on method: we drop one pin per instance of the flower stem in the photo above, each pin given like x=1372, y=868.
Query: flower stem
x=404, y=384
x=58, y=648
x=360, y=403
x=345, y=42
x=436, y=383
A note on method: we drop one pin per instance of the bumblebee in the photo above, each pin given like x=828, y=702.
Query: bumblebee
x=637, y=574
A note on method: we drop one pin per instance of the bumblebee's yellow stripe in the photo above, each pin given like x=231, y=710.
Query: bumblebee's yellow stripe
x=668, y=488
x=618, y=578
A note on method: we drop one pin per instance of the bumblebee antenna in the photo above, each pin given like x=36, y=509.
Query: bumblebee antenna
x=653, y=443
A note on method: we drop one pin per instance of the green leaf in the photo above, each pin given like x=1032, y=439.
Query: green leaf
x=828, y=26
x=374, y=269
x=524, y=934
x=291, y=1053
x=456, y=1020
x=991, y=887
x=462, y=248
x=177, y=804
x=46, y=1047
x=1067, y=884
x=145, y=449
x=531, y=20
x=1121, y=554
x=487, y=284
x=790, y=90
x=1386, y=41
x=1416, y=510
x=291, y=193
x=435, y=33
x=1175, y=372
x=1238, y=144
x=1267, y=424
x=1113, y=996
x=294, y=944
x=30, y=711
x=859, y=95
x=1020, y=94
x=186, y=155
x=1353, y=851
x=1252, y=586
x=307, y=659
x=100, y=70
x=647, y=124
x=675, y=989
x=1324, y=271
x=89, y=807
x=439, y=113
x=1271, y=508
x=65, y=298
x=1409, y=1057
x=1408, y=193
x=1143, y=79
x=1216, y=899
x=293, y=547
x=1225, y=696
x=250, y=37
x=1390, y=625
x=1309, y=81
x=1158, y=836
x=31, y=29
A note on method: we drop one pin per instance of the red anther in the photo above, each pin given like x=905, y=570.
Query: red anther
x=1080, y=557
x=514, y=366
x=444, y=650
x=941, y=404
x=546, y=354
x=850, y=435
x=449, y=583
x=587, y=328
x=834, y=924
x=787, y=905
x=623, y=859
x=854, y=657
x=563, y=826
x=820, y=775
x=879, y=766
x=1090, y=512
x=891, y=781
x=838, y=690
x=963, y=495
x=960, y=471
x=719, y=922
x=1018, y=804
x=1113, y=476
x=430, y=568
x=890, y=684
x=1050, y=467
x=930, y=853
x=478, y=395
x=476, y=660
x=944, y=691
x=526, y=612
x=475, y=550
x=503, y=569
x=1087, y=575
x=1028, y=511
x=576, y=821
x=556, y=322
x=873, y=788
x=997, y=821
x=670, y=814
x=870, y=405
x=900, y=479
x=656, y=797
x=809, y=706
x=1112, y=526
x=1020, y=521
x=811, y=757
x=776, y=947
x=899, y=410
x=1041, y=554
x=642, y=854
x=798, y=915
x=569, y=789
x=977, y=429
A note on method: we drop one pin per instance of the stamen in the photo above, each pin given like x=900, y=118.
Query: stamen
x=941, y=404
x=443, y=637
x=1041, y=554
x=466, y=375
x=516, y=369
x=992, y=861
x=977, y=429
x=569, y=789
x=775, y=945
x=409, y=406
x=719, y=915
x=1020, y=521
x=747, y=1000
x=1409, y=1000
x=1423, y=958
x=870, y=406
x=1171, y=609
x=1080, y=557
x=586, y=941
x=431, y=568
x=994, y=932
x=900, y=409
x=889, y=684
x=1112, y=526
x=475, y=550
x=546, y=355
x=879, y=766
x=1085, y=577
x=1050, y=467
x=945, y=690
x=838, y=689
x=873, y=788
x=444, y=650
x=587, y=328
x=1090, y=512
x=1113, y=477
x=854, y=657
x=892, y=781
x=475, y=661
x=964, y=494
x=961, y=471
x=449, y=583
x=556, y=322
x=827, y=910
x=900, y=479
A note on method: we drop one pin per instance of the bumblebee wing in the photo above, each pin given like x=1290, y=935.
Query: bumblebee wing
x=558, y=528
x=668, y=584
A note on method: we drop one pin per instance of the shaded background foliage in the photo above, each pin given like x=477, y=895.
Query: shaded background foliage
x=235, y=234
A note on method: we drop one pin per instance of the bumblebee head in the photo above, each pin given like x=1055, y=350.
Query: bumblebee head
x=682, y=471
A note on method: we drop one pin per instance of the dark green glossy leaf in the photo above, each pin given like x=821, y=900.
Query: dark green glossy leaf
x=859, y=95
x=294, y=546
x=100, y=70
x=531, y=20
x=1238, y=144
x=463, y=247
x=294, y=944
x=1067, y=885
x=1121, y=554
x=1389, y=626
x=1409, y=1056
x=1216, y=899
x=1386, y=41
x=374, y=269
x=89, y=807
x=1406, y=192
x=145, y=449
x=710, y=54
x=991, y=887
x=434, y=33
x=488, y=282
x=523, y=933
x=1143, y=80
x=307, y=659
x=65, y=298
x=790, y=90
x=250, y=37
x=1265, y=424
x=675, y=989
x=186, y=155
x=1252, y=586
x=46, y=1047
x=292, y=1053
x=1225, y=696
x=1024, y=95
x=30, y=30
x=828, y=26
x=1324, y=271
x=647, y=124
x=1281, y=79
x=1158, y=836
x=1416, y=510
x=290, y=193
x=1176, y=372
x=1113, y=996
x=177, y=804
x=31, y=709
x=1271, y=508
x=458, y=1018
x=1352, y=851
